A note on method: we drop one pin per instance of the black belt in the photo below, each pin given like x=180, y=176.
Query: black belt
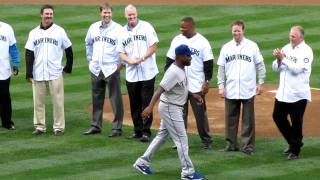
x=172, y=104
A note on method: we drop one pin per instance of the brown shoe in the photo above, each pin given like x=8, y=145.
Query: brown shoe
x=37, y=132
x=115, y=134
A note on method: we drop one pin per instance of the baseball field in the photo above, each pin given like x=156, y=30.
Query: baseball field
x=74, y=156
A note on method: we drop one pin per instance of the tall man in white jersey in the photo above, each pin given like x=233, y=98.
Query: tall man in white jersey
x=293, y=63
x=140, y=77
x=8, y=50
x=239, y=62
x=199, y=74
x=44, y=52
x=101, y=40
x=172, y=93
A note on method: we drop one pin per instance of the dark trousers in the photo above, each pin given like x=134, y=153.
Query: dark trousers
x=232, y=115
x=200, y=113
x=5, y=104
x=98, y=95
x=291, y=130
x=140, y=94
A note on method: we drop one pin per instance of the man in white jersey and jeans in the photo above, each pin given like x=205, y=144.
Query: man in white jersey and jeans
x=239, y=62
x=140, y=77
x=172, y=92
x=101, y=40
x=44, y=53
x=199, y=74
x=293, y=62
x=8, y=50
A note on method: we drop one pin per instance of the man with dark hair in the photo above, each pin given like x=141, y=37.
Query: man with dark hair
x=172, y=93
x=239, y=62
x=44, y=53
x=294, y=62
x=101, y=40
x=199, y=74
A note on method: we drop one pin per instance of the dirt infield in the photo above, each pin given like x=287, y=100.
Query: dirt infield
x=162, y=1
x=263, y=108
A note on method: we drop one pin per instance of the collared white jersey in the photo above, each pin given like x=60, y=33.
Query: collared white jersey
x=201, y=48
x=101, y=43
x=239, y=62
x=143, y=36
x=174, y=82
x=48, y=46
x=7, y=39
x=295, y=71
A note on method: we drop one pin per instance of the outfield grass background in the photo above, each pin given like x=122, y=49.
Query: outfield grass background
x=74, y=156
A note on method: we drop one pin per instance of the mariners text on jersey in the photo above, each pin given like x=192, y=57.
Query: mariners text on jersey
x=139, y=37
x=239, y=57
x=3, y=38
x=105, y=39
x=194, y=51
x=126, y=42
x=45, y=40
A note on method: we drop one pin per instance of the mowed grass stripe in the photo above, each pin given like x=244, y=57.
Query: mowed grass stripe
x=58, y=158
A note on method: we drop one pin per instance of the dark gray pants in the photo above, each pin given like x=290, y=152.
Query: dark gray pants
x=232, y=114
x=200, y=113
x=98, y=95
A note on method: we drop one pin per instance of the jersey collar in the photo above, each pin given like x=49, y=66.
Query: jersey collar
x=129, y=28
x=105, y=26
x=45, y=28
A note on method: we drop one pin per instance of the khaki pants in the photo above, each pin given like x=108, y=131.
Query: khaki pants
x=56, y=91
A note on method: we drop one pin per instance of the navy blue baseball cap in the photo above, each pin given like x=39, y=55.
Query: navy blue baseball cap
x=183, y=50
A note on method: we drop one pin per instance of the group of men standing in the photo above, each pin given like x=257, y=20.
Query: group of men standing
x=110, y=46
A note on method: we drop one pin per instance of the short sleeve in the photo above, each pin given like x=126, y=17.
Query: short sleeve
x=207, y=52
x=65, y=40
x=169, y=80
x=29, y=44
x=151, y=35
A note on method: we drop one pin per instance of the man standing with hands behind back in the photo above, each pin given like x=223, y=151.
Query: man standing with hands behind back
x=294, y=64
x=44, y=53
x=141, y=70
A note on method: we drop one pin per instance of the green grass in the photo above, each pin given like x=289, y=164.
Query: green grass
x=74, y=156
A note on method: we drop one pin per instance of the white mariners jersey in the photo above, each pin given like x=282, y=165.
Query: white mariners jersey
x=201, y=48
x=48, y=46
x=295, y=71
x=101, y=43
x=239, y=62
x=7, y=39
x=174, y=82
x=143, y=36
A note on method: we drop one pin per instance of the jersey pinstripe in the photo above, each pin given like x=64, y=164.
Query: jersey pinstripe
x=48, y=46
x=239, y=62
x=201, y=48
x=101, y=45
x=143, y=36
x=6, y=40
x=295, y=71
